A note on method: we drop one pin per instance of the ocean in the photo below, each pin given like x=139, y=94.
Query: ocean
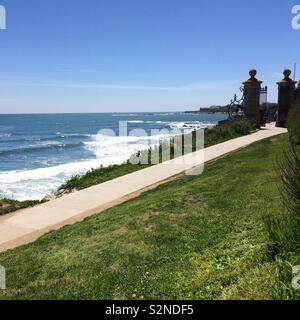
x=40, y=152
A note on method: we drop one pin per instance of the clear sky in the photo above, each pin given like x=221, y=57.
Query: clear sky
x=140, y=55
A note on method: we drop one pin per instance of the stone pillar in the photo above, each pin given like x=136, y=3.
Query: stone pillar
x=286, y=97
x=297, y=94
x=252, y=88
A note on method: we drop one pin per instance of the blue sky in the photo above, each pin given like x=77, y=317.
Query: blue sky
x=140, y=55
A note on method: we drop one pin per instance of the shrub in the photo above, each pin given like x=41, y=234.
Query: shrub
x=284, y=228
x=242, y=126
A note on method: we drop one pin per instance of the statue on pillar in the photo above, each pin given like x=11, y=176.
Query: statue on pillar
x=286, y=97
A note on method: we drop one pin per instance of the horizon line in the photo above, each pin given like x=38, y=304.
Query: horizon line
x=114, y=112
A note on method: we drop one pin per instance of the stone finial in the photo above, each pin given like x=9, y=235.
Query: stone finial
x=287, y=73
x=252, y=74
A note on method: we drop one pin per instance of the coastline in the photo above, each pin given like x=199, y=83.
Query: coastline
x=100, y=175
x=37, y=162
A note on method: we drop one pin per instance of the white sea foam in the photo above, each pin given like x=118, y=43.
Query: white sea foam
x=5, y=135
x=37, y=183
x=125, y=115
x=190, y=125
x=184, y=124
x=63, y=135
x=113, y=146
x=157, y=122
x=49, y=172
x=136, y=121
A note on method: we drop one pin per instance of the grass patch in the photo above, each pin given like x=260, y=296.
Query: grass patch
x=97, y=176
x=198, y=237
x=7, y=205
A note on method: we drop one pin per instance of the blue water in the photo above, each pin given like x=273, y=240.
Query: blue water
x=40, y=152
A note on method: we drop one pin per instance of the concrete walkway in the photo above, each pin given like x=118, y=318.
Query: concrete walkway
x=29, y=224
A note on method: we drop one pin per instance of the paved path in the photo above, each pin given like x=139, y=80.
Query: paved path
x=29, y=224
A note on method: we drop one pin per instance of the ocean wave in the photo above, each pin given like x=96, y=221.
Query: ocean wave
x=126, y=115
x=113, y=146
x=63, y=170
x=5, y=135
x=75, y=135
x=5, y=128
x=190, y=125
x=184, y=124
x=38, y=147
x=103, y=140
x=135, y=121
x=157, y=122
x=62, y=136
x=165, y=114
x=13, y=140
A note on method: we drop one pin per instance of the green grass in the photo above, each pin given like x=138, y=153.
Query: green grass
x=198, y=237
x=7, y=205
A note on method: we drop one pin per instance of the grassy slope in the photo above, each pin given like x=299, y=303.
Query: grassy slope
x=194, y=238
